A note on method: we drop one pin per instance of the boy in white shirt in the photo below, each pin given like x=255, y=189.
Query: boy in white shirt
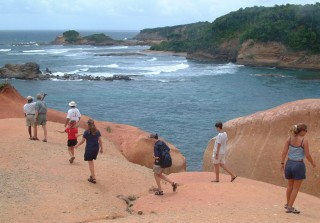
x=219, y=150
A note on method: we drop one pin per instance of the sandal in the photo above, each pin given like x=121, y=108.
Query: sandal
x=286, y=206
x=35, y=138
x=233, y=178
x=215, y=181
x=92, y=180
x=174, y=187
x=292, y=210
x=44, y=140
x=158, y=192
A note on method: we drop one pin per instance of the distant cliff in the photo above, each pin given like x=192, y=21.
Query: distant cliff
x=285, y=36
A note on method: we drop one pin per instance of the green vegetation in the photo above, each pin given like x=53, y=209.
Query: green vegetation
x=74, y=37
x=296, y=26
x=98, y=38
x=108, y=129
x=4, y=85
x=71, y=36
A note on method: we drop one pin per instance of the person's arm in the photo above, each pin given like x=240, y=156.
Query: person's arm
x=101, y=144
x=36, y=109
x=218, y=149
x=284, y=153
x=67, y=121
x=80, y=143
x=307, y=152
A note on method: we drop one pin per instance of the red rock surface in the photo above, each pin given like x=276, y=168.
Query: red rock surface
x=38, y=184
x=256, y=142
x=132, y=142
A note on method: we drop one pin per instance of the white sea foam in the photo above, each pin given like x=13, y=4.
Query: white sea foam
x=56, y=79
x=100, y=66
x=117, y=47
x=33, y=51
x=5, y=50
x=162, y=69
x=153, y=59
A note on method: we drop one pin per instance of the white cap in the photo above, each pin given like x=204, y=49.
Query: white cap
x=72, y=104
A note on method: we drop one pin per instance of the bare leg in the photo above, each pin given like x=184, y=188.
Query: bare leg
x=157, y=178
x=29, y=130
x=294, y=193
x=289, y=190
x=35, y=131
x=71, y=151
x=163, y=177
x=227, y=170
x=45, y=131
x=216, y=169
x=91, y=167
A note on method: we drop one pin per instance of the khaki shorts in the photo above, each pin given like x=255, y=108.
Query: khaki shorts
x=30, y=120
x=221, y=159
x=157, y=169
x=42, y=119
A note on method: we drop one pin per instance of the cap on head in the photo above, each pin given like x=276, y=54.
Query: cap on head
x=39, y=96
x=154, y=136
x=29, y=98
x=72, y=104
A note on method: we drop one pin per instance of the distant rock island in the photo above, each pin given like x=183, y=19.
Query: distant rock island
x=72, y=37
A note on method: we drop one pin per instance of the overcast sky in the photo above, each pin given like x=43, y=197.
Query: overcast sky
x=118, y=14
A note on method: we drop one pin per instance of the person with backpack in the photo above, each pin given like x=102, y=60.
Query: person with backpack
x=162, y=160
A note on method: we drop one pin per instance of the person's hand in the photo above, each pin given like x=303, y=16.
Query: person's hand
x=216, y=156
x=101, y=150
x=314, y=165
x=282, y=167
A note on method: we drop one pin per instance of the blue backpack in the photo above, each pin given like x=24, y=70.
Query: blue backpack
x=165, y=157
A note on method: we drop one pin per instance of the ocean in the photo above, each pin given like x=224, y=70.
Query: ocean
x=177, y=98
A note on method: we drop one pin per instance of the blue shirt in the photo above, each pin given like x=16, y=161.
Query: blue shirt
x=296, y=152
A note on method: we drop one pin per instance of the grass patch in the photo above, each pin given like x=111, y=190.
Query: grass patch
x=4, y=85
x=108, y=129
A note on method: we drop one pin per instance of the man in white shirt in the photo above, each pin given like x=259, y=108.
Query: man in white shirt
x=219, y=150
x=73, y=114
x=29, y=112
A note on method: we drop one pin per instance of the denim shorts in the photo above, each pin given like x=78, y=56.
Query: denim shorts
x=295, y=170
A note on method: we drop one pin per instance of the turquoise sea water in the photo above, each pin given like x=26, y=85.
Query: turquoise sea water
x=177, y=98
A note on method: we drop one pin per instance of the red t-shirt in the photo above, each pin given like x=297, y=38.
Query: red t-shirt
x=71, y=133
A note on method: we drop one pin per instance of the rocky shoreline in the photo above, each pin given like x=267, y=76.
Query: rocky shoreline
x=31, y=71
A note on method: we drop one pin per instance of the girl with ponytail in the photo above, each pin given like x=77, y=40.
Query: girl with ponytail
x=296, y=148
x=93, y=140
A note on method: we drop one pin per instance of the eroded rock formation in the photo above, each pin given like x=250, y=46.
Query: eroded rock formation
x=256, y=142
x=132, y=142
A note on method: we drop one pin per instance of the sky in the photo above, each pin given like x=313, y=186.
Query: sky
x=118, y=14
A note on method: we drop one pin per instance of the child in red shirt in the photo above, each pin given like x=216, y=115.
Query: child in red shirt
x=72, y=131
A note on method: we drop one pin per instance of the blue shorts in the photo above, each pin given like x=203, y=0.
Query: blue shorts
x=295, y=170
